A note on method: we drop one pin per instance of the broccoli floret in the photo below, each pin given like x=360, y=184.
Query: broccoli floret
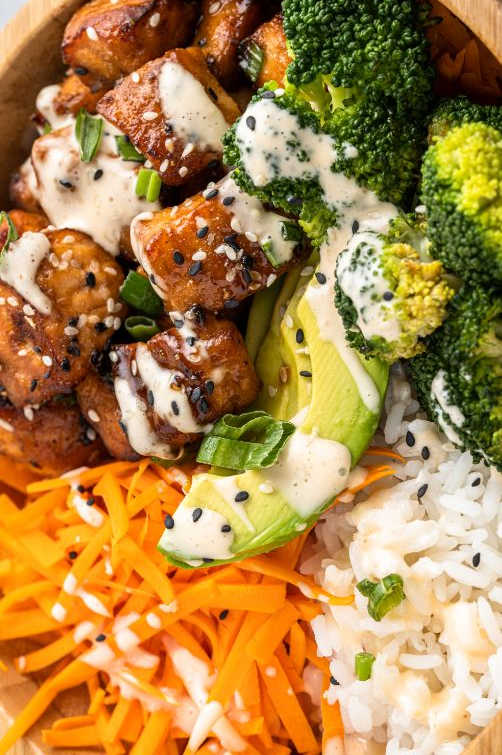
x=459, y=378
x=389, y=293
x=462, y=193
x=460, y=110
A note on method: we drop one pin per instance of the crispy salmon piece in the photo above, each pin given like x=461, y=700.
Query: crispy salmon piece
x=222, y=27
x=111, y=39
x=182, y=381
x=271, y=40
x=57, y=104
x=99, y=406
x=54, y=438
x=175, y=112
x=208, y=250
x=22, y=188
x=23, y=221
x=50, y=335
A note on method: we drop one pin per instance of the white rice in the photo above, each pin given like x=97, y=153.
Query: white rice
x=437, y=677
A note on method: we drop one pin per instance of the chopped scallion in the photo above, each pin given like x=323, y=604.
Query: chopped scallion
x=382, y=596
x=141, y=328
x=128, y=151
x=251, y=60
x=12, y=234
x=140, y=294
x=363, y=663
x=148, y=184
x=89, y=132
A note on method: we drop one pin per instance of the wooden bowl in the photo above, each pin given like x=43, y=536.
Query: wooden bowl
x=30, y=59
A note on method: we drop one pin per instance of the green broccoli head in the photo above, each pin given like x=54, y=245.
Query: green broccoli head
x=460, y=110
x=462, y=193
x=389, y=293
x=459, y=378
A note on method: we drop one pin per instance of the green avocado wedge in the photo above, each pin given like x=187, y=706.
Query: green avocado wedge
x=331, y=394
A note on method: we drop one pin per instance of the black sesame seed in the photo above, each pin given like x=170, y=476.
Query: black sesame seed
x=334, y=681
x=231, y=240
x=191, y=340
x=476, y=559
x=231, y=304
x=209, y=386
x=90, y=280
x=65, y=364
x=150, y=398
x=101, y=638
x=242, y=495
x=226, y=528
x=123, y=426
x=178, y=258
x=246, y=276
x=73, y=321
x=299, y=336
x=73, y=555
x=81, y=71
x=178, y=323
x=195, y=268
x=268, y=95
x=81, y=489
x=251, y=122
x=197, y=314
x=228, y=201
x=175, y=408
x=152, y=278
x=425, y=453
x=476, y=482
x=47, y=375
x=196, y=514
x=212, y=94
x=66, y=184
x=98, y=174
x=33, y=385
x=224, y=614
x=321, y=278
x=203, y=406
x=37, y=349
x=294, y=200
x=196, y=394
x=91, y=501
x=422, y=490
x=355, y=226
x=306, y=373
x=168, y=522
x=73, y=350
x=208, y=560
x=211, y=194
x=202, y=232
x=410, y=439
x=100, y=327
x=247, y=261
x=388, y=295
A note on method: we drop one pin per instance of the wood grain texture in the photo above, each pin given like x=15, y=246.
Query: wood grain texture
x=30, y=59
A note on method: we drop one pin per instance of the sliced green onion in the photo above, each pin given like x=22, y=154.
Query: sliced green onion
x=128, y=151
x=148, y=184
x=140, y=294
x=382, y=596
x=141, y=328
x=252, y=440
x=363, y=663
x=268, y=251
x=47, y=128
x=12, y=234
x=251, y=60
x=291, y=231
x=89, y=132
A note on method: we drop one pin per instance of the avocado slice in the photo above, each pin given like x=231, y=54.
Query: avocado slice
x=334, y=397
x=260, y=315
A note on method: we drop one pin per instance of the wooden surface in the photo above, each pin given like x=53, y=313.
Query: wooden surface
x=30, y=59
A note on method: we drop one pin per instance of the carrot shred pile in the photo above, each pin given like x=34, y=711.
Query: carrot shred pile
x=81, y=578
x=463, y=63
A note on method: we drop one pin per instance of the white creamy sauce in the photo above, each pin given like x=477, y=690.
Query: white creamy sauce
x=140, y=253
x=100, y=204
x=198, y=350
x=250, y=217
x=45, y=106
x=455, y=417
x=199, y=539
x=170, y=401
x=19, y=266
x=189, y=109
x=139, y=430
x=310, y=471
x=228, y=488
x=375, y=316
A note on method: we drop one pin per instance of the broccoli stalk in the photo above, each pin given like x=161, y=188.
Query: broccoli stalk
x=389, y=293
x=459, y=378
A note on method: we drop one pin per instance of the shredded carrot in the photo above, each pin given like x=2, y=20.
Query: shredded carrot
x=103, y=606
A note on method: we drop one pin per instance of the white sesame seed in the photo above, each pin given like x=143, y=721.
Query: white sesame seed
x=68, y=239
x=29, y=413
x=110, y=270
x=230, y=276
x=149, y=115
x=54, y=259
x=109, y=321
x=22, y=352
x=110, y=305
x=214, y=8
x=93, y=415
x=271, y=279
x=63, y=265
x=6, y=426
x=307, y=270
x=155, y=20
x=134, y=368
x=169, y=144
x=30, y=322
x=251, y=236
x=183, y=171
x=82, y=320
x=164, y=166
x=188, y=149
x=135, y=77
x=266, y=487
x=47, y=360
x=235, y=225
x=148, y=164
x=2, y=300
x=199, y=256
x=153, y=620
x=92, y=34
x=117, y=322
x=91, y=434
x=12, y=301
x=114, y=357
x=70, y=331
